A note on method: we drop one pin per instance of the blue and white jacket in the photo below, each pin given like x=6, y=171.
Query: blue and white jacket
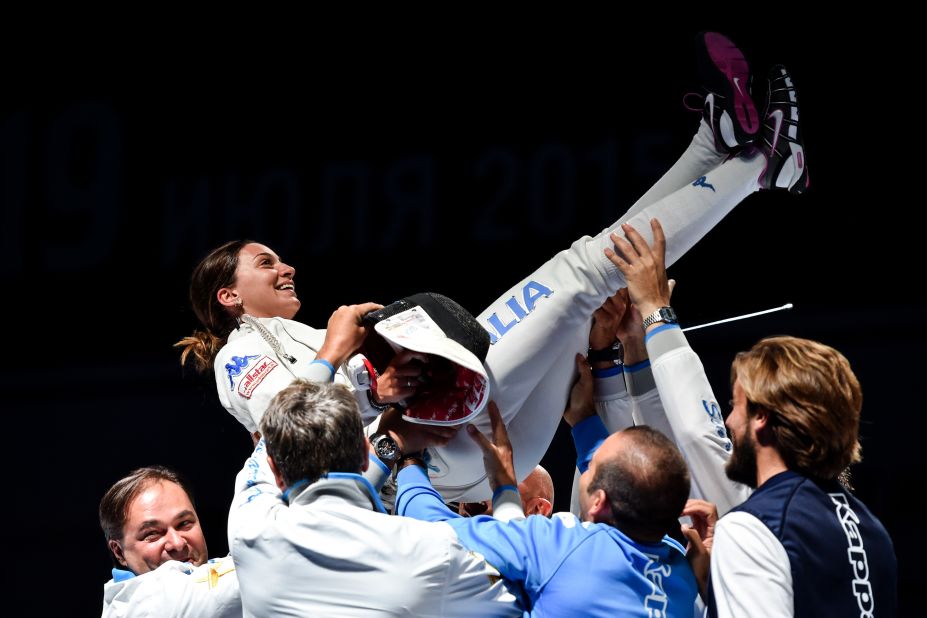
x=562, y=566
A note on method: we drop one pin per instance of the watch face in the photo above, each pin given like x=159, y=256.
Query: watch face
x=387, y=448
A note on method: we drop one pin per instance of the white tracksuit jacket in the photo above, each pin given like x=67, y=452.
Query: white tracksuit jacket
x=332, y=551
x=695, y=417
x=175, y=589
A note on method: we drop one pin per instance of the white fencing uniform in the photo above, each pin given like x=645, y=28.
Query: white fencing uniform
x=541, y=323
x=249, y=372
x=536, y=327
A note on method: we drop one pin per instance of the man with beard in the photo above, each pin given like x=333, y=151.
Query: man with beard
x=795, y=427
x=801, y=544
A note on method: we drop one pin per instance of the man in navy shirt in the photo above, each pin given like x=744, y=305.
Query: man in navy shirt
x=801, y=544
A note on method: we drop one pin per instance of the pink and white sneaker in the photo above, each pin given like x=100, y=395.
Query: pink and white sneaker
x=725, y=76
x=786, y=167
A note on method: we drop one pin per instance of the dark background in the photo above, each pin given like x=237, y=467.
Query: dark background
x=386, y=165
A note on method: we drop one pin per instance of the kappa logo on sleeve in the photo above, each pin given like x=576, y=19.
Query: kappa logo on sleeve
x=656, y=602
x=713, y=410
x=234, y=368
x=253, y=377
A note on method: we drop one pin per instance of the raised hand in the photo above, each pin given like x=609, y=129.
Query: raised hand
x=581, y=405
x=345, y=333
x=497, y=453
x=700, y=535
x=400, y=379
x=414, y=437
x=606, y=319
x=643, y=266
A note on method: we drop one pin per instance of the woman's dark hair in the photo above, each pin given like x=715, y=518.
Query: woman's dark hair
x=214, y=272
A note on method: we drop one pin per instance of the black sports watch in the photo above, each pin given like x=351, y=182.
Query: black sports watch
x=663, y=314
x=385, y=448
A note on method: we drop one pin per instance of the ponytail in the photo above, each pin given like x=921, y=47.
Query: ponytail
x=214, y=272
x=203, y=346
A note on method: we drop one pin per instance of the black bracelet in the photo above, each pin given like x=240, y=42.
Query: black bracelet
x=410, y=459
x=613, y=353
x=381, y=407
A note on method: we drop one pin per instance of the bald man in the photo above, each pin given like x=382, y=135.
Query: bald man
x=632, y=491
x=537, y=497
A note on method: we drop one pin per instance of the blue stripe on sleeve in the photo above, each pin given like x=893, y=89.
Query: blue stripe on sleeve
x=322, y=361
x=502, y=488
x=659, y=329
x=588, y=435
x=607, y=373
x=638, y=366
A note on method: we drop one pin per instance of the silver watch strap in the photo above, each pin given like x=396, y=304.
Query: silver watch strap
x=663, y=314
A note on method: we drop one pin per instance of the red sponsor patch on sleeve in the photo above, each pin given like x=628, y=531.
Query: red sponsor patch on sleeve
x=254, y=376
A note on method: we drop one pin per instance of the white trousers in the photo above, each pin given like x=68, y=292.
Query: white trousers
x=542, y=322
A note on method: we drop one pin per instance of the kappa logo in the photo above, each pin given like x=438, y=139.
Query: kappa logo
x=234, y=368
x=531, y=293
x=656, y=602
x=856, y=554
x=703, y=182
x=713, y=410
x=255, y=376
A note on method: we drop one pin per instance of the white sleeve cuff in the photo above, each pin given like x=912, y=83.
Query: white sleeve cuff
x=750, y=570
x=506, y=505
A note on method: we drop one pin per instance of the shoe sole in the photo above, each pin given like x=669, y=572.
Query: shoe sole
x=730, y=62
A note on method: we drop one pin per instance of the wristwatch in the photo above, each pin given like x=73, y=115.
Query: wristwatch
x=385, y=448
x=663, y=314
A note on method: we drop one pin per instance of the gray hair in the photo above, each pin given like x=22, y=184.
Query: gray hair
x=311, y=429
